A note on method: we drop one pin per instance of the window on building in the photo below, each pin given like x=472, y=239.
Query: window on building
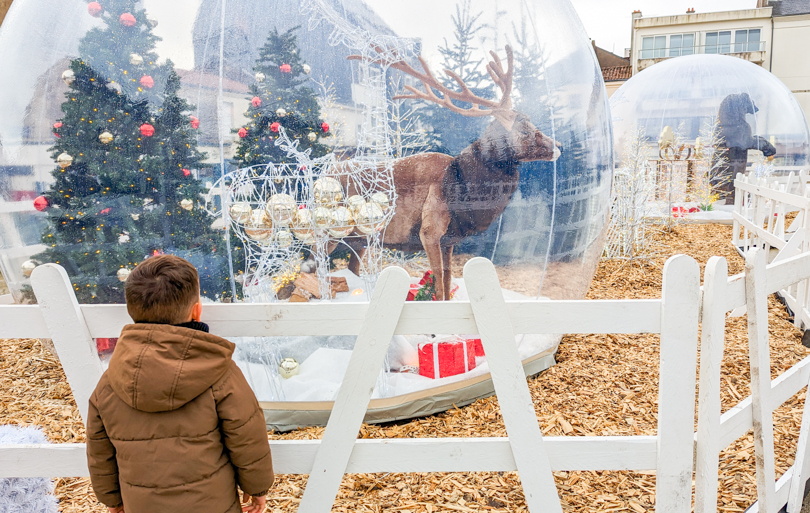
x=654, y=47
x=747, y=40
x=718, y=42
x=681, y=44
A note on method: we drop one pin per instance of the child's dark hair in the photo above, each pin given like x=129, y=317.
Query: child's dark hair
x=162, y=290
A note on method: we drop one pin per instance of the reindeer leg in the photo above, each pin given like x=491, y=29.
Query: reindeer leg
x=435, y=219
x=447, y=272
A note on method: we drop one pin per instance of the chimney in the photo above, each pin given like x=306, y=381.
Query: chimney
x=691, y=10
x=636, y=14
x=762, y=3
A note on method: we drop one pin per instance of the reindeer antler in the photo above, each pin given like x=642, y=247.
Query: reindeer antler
x=503, y=79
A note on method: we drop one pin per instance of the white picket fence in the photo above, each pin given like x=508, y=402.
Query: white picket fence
x=761, y=210
x=670, y=453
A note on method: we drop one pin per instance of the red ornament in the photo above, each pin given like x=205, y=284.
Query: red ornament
x=256, y=101
x=147, y=81
x=325, y=126
x=104, y=345
x=127, y=20
x=41, y=204
x=285, y=68
x=275, y=126
x=186, y=172
x=242, y=133
x=95, y=9
x=105, y=211
x=195, y=123
x=57, y=126
x=147, y=130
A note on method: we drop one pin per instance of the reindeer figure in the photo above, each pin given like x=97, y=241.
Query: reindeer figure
x=441, y=200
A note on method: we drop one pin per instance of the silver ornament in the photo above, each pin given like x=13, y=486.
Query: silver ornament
x=342, y=223
x=135, y=59
x=307, y=69
x=369, y=218
x=260, y=77
x=288, y=368
x=312, y=136
x=123, y=274
x=69, y=77
x=27, y=268
x=280, y=112
x=327, y=191
x=240, y=212
x=187, y=204
x=281, y=209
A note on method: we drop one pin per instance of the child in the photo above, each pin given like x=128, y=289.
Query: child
x=173, y=425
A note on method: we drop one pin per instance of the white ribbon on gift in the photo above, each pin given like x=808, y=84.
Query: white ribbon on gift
x=436, y=374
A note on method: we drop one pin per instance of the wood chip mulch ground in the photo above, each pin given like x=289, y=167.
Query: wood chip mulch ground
x=602, y=385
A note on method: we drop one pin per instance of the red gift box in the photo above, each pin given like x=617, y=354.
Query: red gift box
x=446, y=357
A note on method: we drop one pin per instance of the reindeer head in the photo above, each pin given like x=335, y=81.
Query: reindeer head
x=512, y=133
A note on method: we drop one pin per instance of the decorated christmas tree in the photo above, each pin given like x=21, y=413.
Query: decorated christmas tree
x=126, y=150
x=279, y=98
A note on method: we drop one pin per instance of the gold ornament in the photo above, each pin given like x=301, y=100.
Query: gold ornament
x=381, y=199
x=281, y=209
x=123, y=274
x=135, y=59
x=64, y=160
x=280, y=112
x=241, y=212
x=354, y=203
x=257, y=229
x=307, y=69
x=342, y=223
x=302, y=226
x=69, y=77
x=106, y=137
x=312, y=136
x=369, y=218
x=28, y=268
x=288, y=368
x=284, y=239
x=322, y=217
x=327, y=191
x=260, y=77
x=187, y=204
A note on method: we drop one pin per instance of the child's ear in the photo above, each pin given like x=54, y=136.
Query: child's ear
x=196, y=311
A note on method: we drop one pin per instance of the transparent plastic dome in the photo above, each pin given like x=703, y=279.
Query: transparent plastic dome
x=758, y=119
x=125, y=126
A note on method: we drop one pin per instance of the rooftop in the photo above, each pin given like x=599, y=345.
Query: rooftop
x=790, y=7
x=617, y=73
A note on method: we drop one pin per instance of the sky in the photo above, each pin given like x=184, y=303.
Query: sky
x=608, y=21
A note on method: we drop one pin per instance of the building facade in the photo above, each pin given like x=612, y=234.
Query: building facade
x=774, y=34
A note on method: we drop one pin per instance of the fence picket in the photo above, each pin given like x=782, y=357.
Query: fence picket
x=354, y=394
x=715, y=282
x=760, y=361
x=74, y=345
x=676, y=405
x=801, y=463
x=498, y=339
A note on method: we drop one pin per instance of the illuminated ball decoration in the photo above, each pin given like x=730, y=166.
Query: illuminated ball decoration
x=147, y=130
x=127, y=20
x=123, y=274
x=27, y=268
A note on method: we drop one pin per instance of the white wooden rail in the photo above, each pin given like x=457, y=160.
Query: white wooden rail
x=675, y=317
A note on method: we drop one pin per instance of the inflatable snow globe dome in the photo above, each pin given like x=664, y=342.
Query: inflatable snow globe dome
x=291, y=149
x=705, y=107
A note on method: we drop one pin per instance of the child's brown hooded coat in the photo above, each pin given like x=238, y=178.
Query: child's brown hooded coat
x=174, y=426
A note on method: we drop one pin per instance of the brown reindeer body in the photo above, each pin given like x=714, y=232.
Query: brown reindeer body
x=442, y=200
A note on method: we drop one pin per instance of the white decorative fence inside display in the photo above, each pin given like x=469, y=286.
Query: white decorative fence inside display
x=670, y=453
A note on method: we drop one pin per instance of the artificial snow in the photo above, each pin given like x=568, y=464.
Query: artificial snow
x=27, y=494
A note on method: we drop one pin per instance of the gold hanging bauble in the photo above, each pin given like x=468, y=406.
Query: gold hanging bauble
x=307, y=69
x=257, y=229
x=284, y=239
x=322, y=218
x=27, y=268
x=281, y=209
x=342, y=223
x=302, y=226
x=69, y=77
x=123, y=274
x=135, y=59
x=106, y=137
x=240, y=212
x=327, y=191
x=288, y=368
x=381, y=199
x=260, y=77
x=369, y=218
x=64, y=160
x=354, y=203
x=187, y=204
x=312, y=136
